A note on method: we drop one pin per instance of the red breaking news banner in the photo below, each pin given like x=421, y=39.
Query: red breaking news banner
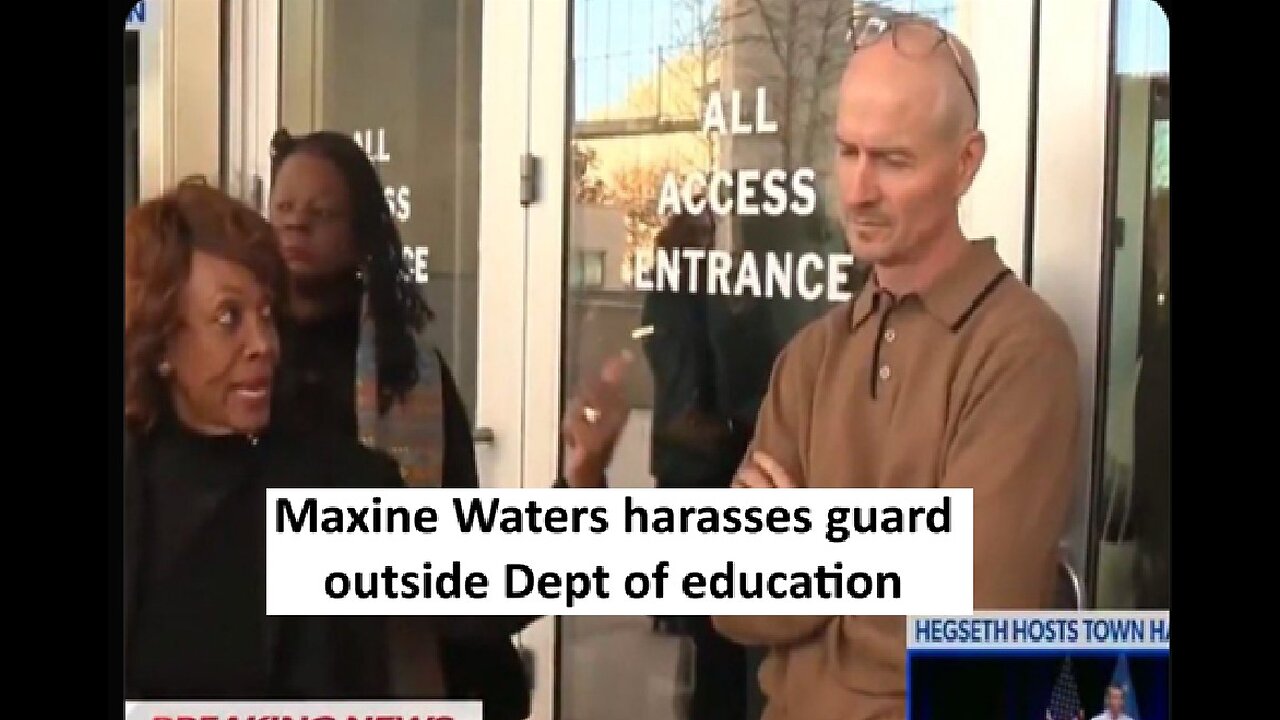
x=309, y=710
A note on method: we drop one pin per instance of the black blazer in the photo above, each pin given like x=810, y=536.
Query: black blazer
x=330, y=657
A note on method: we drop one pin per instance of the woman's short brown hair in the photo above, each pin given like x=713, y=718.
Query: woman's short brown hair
x=160, y=237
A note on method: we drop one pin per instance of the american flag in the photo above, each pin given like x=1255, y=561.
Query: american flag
x=1064, y=704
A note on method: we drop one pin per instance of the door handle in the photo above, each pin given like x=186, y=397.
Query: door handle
x=256, y=191
x=482, y=436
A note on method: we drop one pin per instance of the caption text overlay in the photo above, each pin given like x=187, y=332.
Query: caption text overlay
x=614, y=552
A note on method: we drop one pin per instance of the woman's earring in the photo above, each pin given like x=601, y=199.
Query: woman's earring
x=163, y=368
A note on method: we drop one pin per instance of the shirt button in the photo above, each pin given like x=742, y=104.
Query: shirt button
x=889, y=335
x=885, y=372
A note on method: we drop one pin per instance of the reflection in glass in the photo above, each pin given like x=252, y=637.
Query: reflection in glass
x=705, y=126
x=1132, y=509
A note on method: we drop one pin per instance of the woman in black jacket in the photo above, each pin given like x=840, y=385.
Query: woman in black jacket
x=204, y=286
x=356, y=364
x=695, y=445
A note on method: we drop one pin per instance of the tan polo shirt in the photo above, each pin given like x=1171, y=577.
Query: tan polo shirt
x=971, y=383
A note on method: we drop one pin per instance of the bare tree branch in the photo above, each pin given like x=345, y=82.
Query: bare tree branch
x=768, y=22
x=821, y=58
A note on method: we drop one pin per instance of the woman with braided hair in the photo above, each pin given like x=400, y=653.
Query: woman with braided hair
x=352, y=355
x=354, y=361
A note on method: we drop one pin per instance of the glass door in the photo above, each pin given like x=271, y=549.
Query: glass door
x=729, y=104
x=1130, y=529
x=1100, y=257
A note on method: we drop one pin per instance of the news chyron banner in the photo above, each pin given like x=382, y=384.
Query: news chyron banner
x=1091, y=665
x=303, y=710
x=608, y=552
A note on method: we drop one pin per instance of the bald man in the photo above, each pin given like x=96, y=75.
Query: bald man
x=945, y=371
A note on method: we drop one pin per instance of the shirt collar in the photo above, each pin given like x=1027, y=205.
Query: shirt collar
x=952, y=297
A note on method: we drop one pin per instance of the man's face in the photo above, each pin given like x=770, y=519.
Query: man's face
x=1115, y=701
x=901, y=168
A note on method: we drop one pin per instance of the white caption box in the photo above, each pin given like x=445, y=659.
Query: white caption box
x=569, y=573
